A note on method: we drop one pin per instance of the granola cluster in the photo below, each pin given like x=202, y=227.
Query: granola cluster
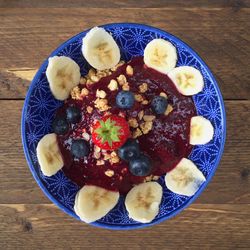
x=92, y=77
x=102, y=156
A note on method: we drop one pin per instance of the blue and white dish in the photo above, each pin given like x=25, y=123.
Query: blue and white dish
x=40, y=106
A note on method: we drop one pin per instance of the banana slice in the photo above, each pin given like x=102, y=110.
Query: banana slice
x=49, y=155
x=142, y=202
x=185, y=178
x=63, y=74
x=92, y=202
x=160, y=55
x=187, y=80
x=100, y=49
x=201, y=131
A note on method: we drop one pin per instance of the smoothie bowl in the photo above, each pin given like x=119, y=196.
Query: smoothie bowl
x=123, y=126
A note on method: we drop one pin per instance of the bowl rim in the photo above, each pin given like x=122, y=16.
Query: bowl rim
x=25, y=146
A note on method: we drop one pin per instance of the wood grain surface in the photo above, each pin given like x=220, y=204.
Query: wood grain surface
x=218, y=30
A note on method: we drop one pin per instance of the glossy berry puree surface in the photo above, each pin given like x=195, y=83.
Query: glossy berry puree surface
x=165, y=144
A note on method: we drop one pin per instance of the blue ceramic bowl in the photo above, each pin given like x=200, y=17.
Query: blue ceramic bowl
x=40, y=105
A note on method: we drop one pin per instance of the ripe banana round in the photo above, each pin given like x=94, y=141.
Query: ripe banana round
x=201, y=130
x=142, y=201
x=160, y=55
x=63, y=74
x=100, y=49
x=185, y=178
x=49, y=155
x=187, y=80
x=92, y=202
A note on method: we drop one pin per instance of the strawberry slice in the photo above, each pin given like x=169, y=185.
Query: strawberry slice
x=111, y=132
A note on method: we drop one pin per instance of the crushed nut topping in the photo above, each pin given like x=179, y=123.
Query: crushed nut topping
x=139, y=98
x=124, y=170
x=122, y=79
x=86, y=136
x=106, y=157
x=151, y=178
x=102, y=73
x=133, y=123
x=83, y=80
x=100, y=162
x=89, y=109
x=97, y=149
x=137, y=133
x=140, y=114
x=148, y=118
x=109, y=173
x=76, y=93
x=91, y=130
x=144, y=102
x=97, y=155
x=114, y=158
x=155, y=178
x=168, y=110
x=117, y=66
x=129, y=70
x=100, y=93
x=113, y=85
x=125, y=87
x=89, y=82
x=91, y=73
x=95, y=78
x=163, y=94
x=84, y=92
x=148, y=178
x=146, y=127
x=122, y=114
x=143, y=87
x=102, y=104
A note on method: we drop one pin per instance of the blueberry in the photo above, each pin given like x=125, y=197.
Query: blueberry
x=79, y=148
x=129, y=150
x=159, y=104
x=125, y=99
x=60, y=125
x=73, y=114
x=140, y=166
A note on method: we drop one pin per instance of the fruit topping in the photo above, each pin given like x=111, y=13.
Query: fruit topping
x=49, y=155
x=159, y=104
x=129, y=150
x=73, y=114
x=100, y=49
x=92, y=202
x=111, y=132
x=188, y=80
x=201, y=130
x=160, y=55
x=79, y=148
x=140, y=166
x=63, y=74
x=143, y=201
x=60, y=125
x=125, y=99
x=185, y=178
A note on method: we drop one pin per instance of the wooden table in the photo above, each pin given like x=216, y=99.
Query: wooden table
x=218, y=30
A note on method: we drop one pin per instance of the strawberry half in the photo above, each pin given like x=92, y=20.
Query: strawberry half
x=111, y=132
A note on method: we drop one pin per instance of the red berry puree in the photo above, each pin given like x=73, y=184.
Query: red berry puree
x=166, y=144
